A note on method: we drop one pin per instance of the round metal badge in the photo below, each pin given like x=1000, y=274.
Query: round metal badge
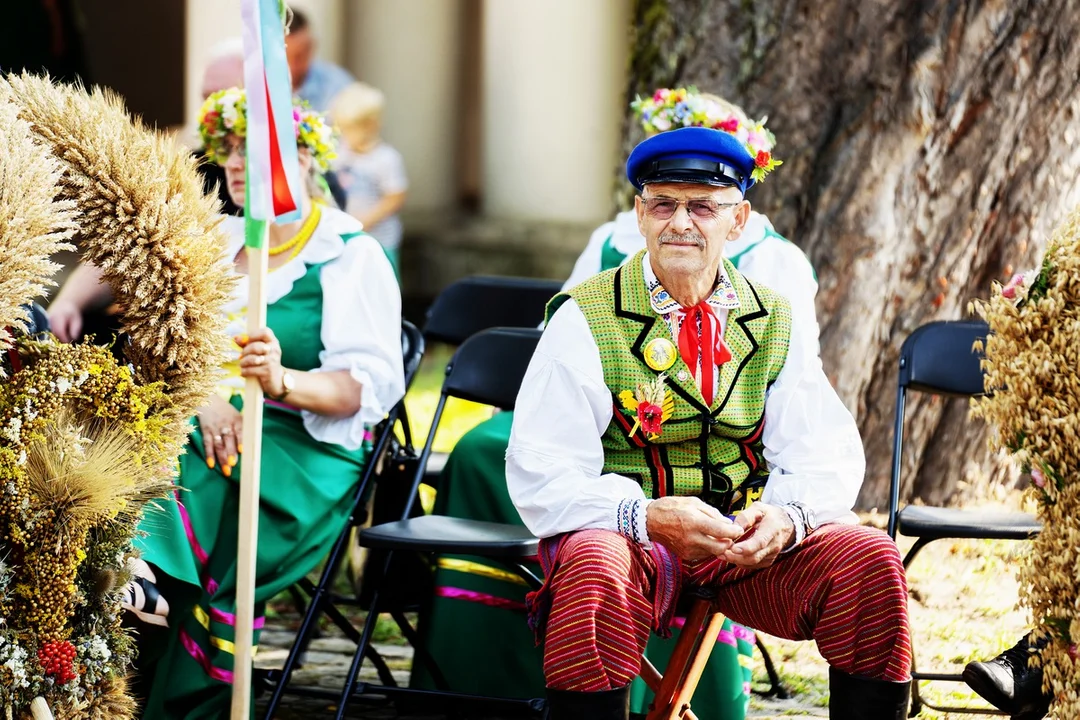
x=660, y=354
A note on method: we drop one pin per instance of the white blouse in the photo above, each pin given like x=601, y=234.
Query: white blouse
x=361, y=320
x=555, y=460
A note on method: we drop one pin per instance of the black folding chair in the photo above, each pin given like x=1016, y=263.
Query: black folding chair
x=479, y=302
x=939, y=358
x=321, y=598
x=488, y=368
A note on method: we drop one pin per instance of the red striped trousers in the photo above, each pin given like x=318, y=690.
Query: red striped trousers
x=844, y=587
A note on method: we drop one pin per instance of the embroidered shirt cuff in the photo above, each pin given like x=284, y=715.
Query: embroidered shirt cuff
x=630, y=519
x=799, y=522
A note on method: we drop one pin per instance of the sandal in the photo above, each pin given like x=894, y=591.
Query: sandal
x=142, y=598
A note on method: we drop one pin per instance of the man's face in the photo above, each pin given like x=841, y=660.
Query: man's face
x=686, y=226
x=299, y=51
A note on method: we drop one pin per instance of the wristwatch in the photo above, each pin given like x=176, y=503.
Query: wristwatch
x=802, y=518
x=288, y=383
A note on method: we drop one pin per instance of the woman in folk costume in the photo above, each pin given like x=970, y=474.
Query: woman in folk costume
x=330, y=366
x=470, y=595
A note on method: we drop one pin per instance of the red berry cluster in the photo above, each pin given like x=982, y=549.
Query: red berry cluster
x=58, y=659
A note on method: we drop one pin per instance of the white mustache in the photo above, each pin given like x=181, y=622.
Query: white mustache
x=683, y=239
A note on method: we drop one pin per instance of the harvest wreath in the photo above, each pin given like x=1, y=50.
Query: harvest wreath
x=1032, y=367
x=86, y=441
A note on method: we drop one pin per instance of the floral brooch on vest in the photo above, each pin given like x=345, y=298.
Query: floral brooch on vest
x=650, y=405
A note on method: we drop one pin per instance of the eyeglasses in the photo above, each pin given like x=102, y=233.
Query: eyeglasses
x=662, y=208
x=238, y=146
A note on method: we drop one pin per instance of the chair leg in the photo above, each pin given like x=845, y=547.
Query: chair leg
x=776, y=688
x=308, y=627
x=692, y=651
x=916, y=699
x=358, y=657
x=419, y=651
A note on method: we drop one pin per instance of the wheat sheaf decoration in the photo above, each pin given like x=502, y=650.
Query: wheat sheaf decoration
x=32, y=225
x=87, y=441
x=144, y=221
x=1032, y=369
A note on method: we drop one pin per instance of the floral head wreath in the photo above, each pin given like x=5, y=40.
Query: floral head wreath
x=225, y=113
x=669, y=109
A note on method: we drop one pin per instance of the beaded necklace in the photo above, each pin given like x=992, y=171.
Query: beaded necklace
x=298, y=241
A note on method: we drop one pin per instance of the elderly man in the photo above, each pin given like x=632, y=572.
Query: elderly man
x=664, y=396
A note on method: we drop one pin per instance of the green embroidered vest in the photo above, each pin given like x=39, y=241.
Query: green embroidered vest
x=713, y=452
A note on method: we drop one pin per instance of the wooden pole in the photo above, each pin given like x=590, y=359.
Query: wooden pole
x=258, y=260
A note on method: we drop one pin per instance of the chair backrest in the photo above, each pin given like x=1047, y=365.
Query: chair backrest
x=939, y=358
x=489, y=366
x=480, y=302
x=412, y=350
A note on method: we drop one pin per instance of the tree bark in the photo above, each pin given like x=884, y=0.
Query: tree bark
x=929, y=147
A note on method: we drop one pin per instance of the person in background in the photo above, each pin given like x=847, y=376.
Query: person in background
x=371, y=172
x=314, y=80
x=224, y=69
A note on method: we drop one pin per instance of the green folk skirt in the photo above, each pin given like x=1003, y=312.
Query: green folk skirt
x=191, y=543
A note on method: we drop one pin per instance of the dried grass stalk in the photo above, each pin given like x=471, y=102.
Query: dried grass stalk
x=32, y=225
x=1033, y=375
x=146, y=223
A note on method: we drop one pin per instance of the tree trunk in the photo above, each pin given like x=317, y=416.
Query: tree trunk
x=929, y=147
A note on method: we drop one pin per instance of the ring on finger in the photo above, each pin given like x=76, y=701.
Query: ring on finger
x=226, y=431
x=217, y=439
x=258, y=360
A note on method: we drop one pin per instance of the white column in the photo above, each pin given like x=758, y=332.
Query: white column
x=554, y=79
x=410, y=49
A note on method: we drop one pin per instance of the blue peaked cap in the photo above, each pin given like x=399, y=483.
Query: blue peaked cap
x=691, y=155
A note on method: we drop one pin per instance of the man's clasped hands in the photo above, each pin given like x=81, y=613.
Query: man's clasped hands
x=694, y=530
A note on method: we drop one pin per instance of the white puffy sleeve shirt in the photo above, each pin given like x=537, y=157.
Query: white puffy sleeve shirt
x=554, y=463
x=361, y=320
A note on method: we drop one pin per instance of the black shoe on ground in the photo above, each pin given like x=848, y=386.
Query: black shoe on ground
x=604, y=705
x=1008, y=683
x=853, y=697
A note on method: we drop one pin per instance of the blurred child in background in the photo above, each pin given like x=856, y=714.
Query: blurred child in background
x=371, y=173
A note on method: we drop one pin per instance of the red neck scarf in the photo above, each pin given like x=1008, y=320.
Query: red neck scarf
x=699, y=337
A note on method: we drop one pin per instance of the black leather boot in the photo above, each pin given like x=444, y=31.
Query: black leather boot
x=604, y=705
x=861, y=698
x=1009, y=683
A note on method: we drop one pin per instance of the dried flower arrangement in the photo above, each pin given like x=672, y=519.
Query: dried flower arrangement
x=86, y=442
x=1032, y=369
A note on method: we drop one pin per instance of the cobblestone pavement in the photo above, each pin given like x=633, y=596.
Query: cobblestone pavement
x=328, y=662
